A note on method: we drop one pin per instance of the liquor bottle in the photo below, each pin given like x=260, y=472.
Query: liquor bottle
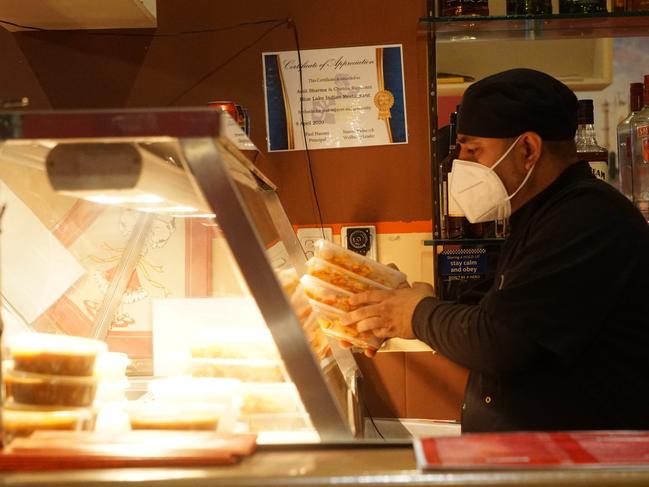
x=529, y=7
x=630, y=5
x=587, y=148
x=640, y=153
x=624, y=144
x=582, y=6
x=637, y=5
x=453, y=224
x=454, y=8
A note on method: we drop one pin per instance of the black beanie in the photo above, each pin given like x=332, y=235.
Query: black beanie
x=507, y=104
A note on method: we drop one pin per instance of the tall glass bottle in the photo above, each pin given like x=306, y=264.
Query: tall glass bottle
x=637, y=5
x=453, y=8
x=453, y=224
x=640, y=154
x=582, y=6
x=587, y=147
x=624, y=144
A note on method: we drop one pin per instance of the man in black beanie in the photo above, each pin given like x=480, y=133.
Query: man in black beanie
x=561, y=340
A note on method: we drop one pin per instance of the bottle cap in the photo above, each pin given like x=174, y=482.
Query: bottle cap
x=635, y=96
x=585, y=112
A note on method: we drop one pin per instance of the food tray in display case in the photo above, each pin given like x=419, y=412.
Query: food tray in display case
x=151, y=233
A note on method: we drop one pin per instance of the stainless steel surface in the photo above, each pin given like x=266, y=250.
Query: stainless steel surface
x=343, y=358
x=382, y=466
x=286, y=232
x=117, y=286
x=207, y=168
x=136, y=125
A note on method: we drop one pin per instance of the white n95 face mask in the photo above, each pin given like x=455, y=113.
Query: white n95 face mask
x=478, y=190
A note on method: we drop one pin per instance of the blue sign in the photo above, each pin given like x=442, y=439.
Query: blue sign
x=462, y=263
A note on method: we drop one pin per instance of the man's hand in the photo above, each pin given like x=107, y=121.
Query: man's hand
x=388, y=314
x=369, y=352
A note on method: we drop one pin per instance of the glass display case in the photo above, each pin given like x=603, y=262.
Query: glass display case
x=151, y=234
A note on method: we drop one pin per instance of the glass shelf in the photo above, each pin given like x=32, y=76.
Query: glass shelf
x=463, y=241
x=536, y=27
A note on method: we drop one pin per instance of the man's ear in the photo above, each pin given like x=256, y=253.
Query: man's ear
x=532, y=145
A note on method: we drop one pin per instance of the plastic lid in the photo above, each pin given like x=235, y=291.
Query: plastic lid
x=112, y=363
x=33, y=378
x=52, y=343
x=176, y=412
x=199, y=389
x=310, y=282
x=378, y=272
x=585, y=112
x=315, y=263
x=325, y=308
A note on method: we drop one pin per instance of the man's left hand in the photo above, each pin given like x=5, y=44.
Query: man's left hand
x=388, y=314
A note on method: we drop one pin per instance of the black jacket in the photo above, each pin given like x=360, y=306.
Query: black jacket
x=561, y=340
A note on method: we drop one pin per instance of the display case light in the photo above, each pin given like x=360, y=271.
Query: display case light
x=169, y=209
x=106, y=199
x=123, y=174
x=195, y=215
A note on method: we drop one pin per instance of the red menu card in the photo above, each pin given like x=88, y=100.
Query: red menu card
x=533, y=450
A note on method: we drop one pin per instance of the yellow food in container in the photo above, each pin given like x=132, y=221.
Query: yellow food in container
x=340, y=277
x=325, y=293
x=275, y=398
x=46, y=353
x=333, y=322
x=175, y=416
x=23, y=420
x=49, y=390
x=359, y=264
x=231, y=344
x=246, y=370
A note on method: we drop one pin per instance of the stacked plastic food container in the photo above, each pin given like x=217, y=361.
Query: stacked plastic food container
x=186, y=403
x=334, y=275
x=50, y=383
x=303, y=310
x=267, y=402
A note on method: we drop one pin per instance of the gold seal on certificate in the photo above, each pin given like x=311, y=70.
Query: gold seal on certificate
x=384, y=101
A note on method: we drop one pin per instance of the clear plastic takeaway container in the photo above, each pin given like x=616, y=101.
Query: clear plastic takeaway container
x=325, y=293
x=289, y=280
x=289, y=422
x=300, y=304
x=246, y=370
x=47, y=353
x=315, y=335
x=332, y=322
x=270, y=398
x=49, y=390
x=229, y=343
x=23, y=420
x=359, y=264
x=338, y=276
x=111, y=366
x=196, y=389
x=194, y=416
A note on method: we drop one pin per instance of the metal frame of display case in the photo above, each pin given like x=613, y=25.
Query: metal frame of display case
x=200, y=138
